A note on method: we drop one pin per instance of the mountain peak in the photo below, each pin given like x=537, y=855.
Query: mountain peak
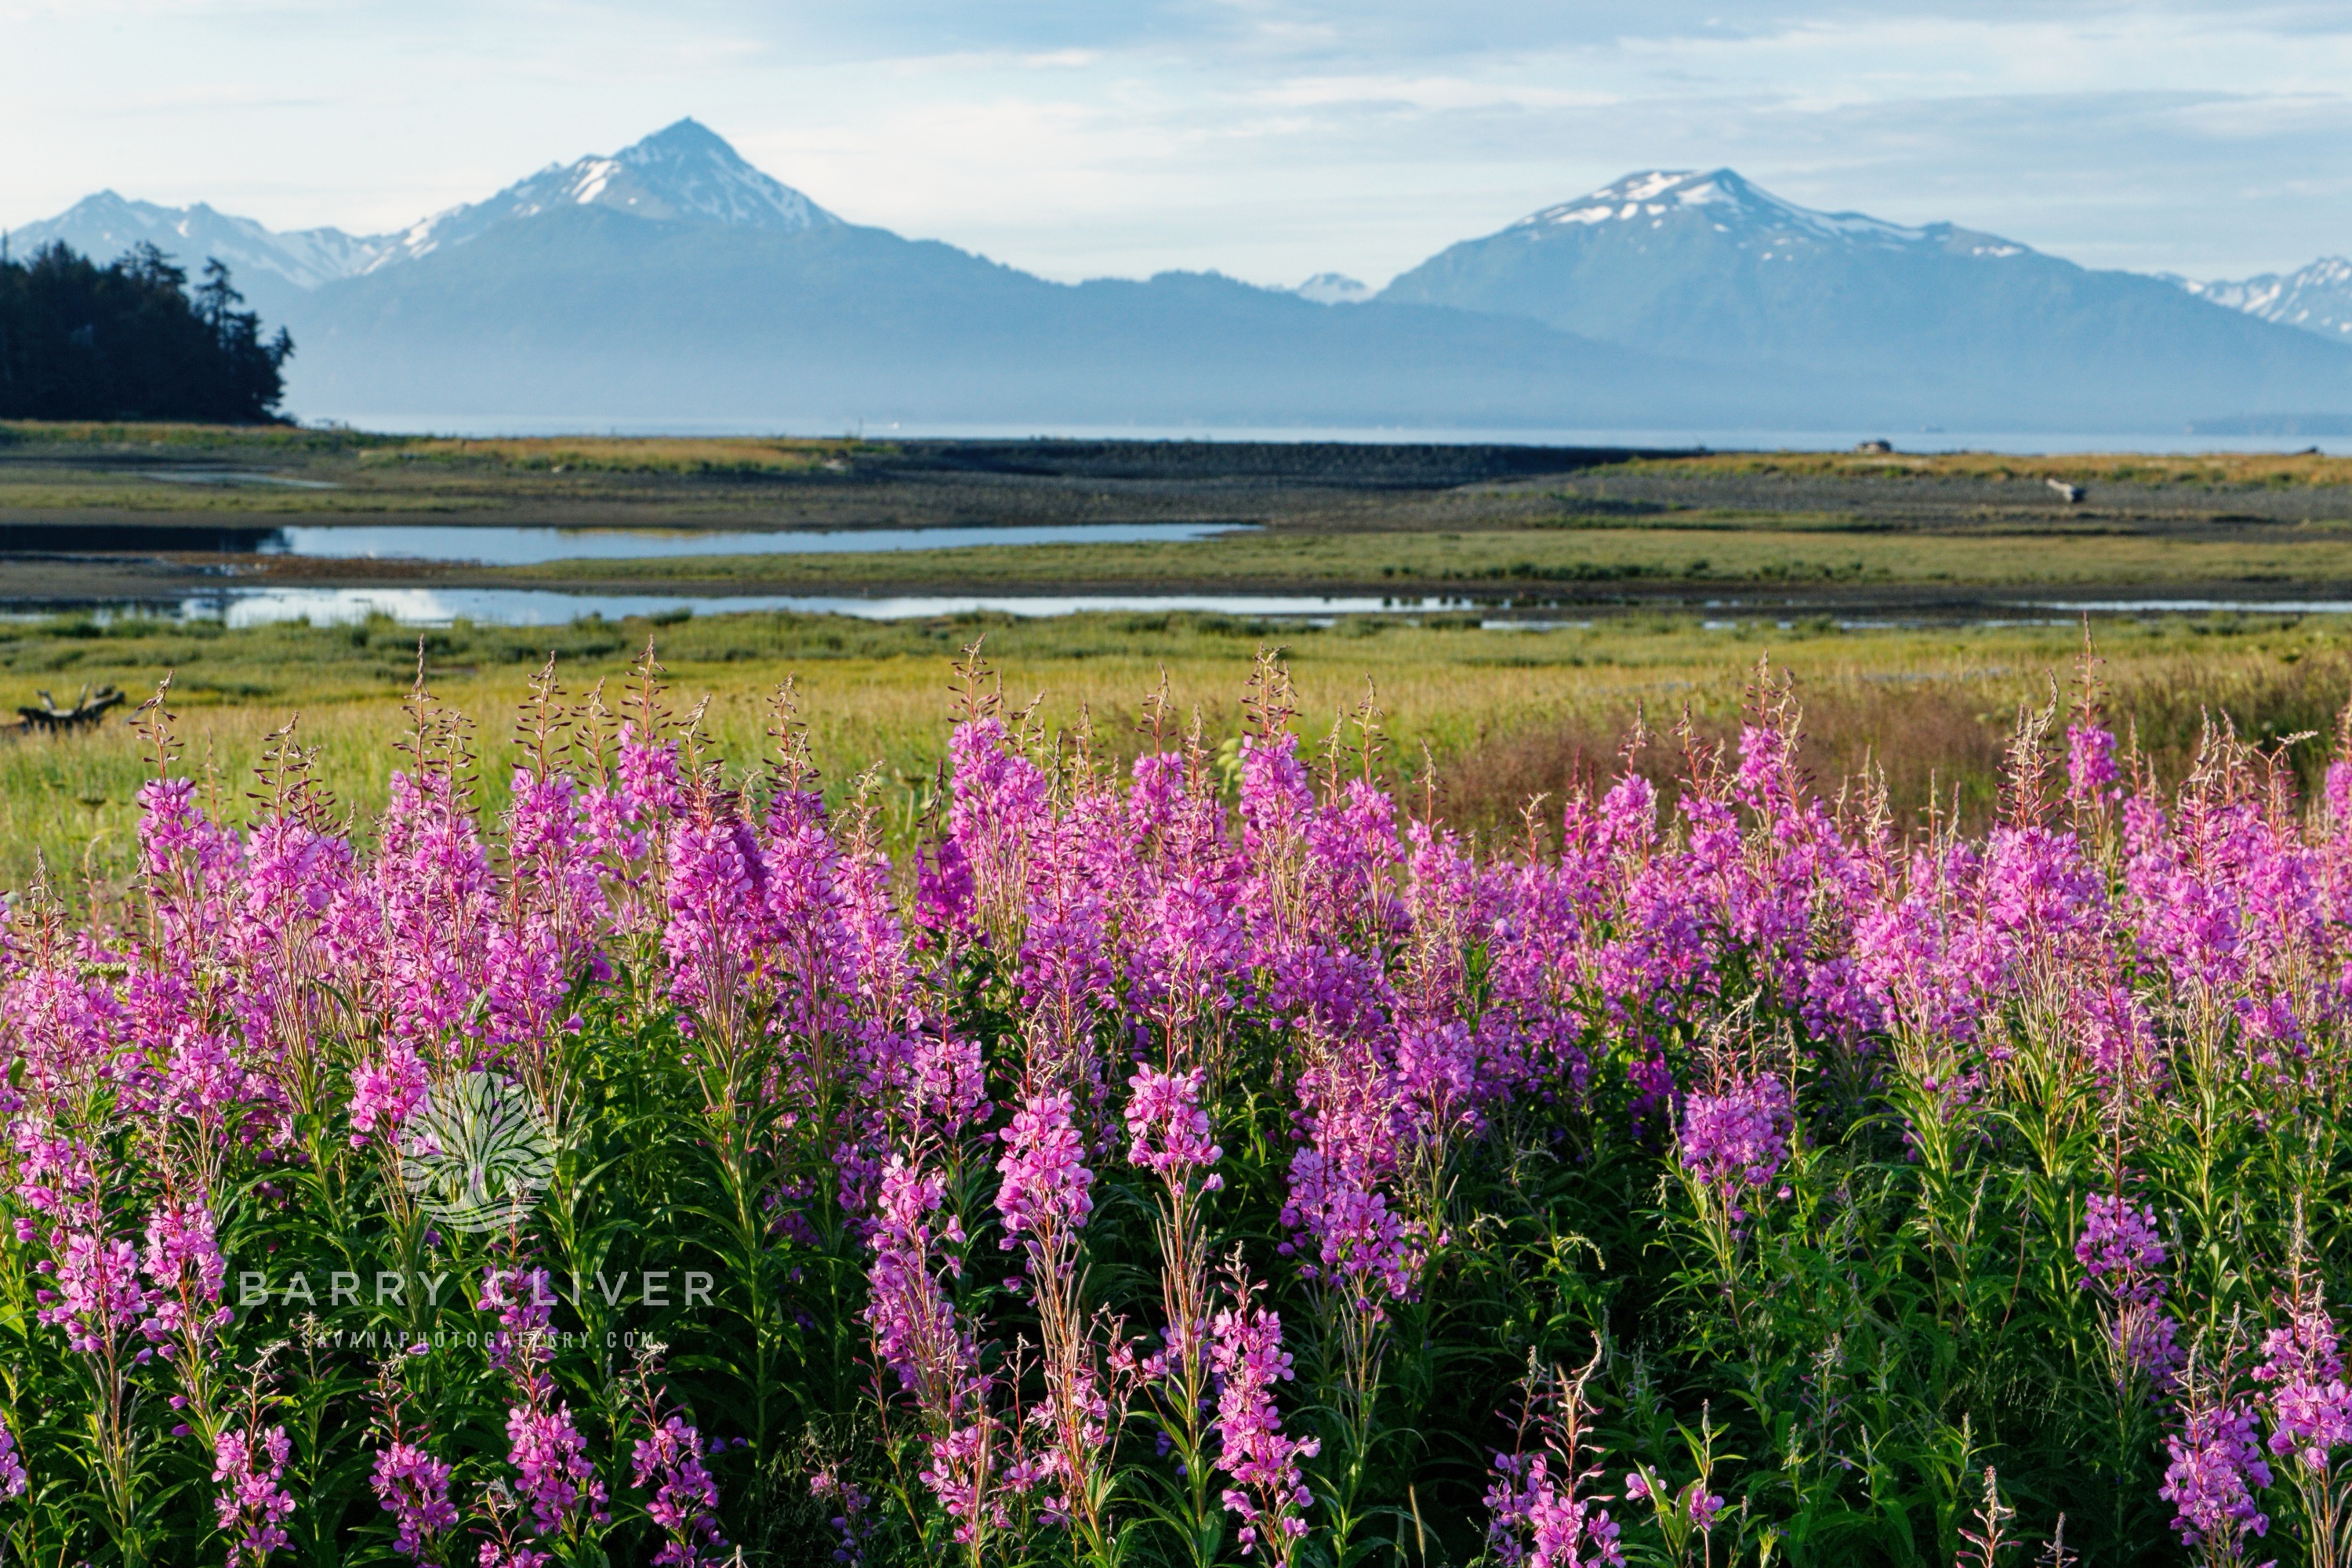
x=1723, y=199
x=684, y=173
x=686, y=135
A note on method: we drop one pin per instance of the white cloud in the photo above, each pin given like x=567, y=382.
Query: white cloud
x=1269, y=138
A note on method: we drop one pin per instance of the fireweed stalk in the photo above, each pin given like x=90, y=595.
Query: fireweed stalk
x=1044, y=1203
x=667, y=1465
x=553, y=1478
x=924, y=1348
x=251, y=1503
x=411, y=1484
x=2309, y=1410
x=1169, y=1137
x=1249, y=1365
x=1732, y=1142
x=2217, y=1471
x=1541, y=1507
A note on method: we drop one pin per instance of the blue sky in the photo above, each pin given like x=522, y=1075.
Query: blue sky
x=1268, y=138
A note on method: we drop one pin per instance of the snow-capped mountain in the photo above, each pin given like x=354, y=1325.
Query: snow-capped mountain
x=1333, y=288
x=672, y=280
x=682, y=175
x=106, y=224
x=1711, y=268
x=2318, y=299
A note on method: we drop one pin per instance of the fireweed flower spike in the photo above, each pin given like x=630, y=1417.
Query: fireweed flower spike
x=414, y=1487
x=2120, y=1253
x=1267, y=1493
x=1739, y=1139
x=2216, y=1469
x=1044, y=1200
x=409, y=1483
x=667, y=1465
x=553, y=1478
x=248, y=1466
x=1168, y=1135
x=1541, y=1508
x=13, y=1479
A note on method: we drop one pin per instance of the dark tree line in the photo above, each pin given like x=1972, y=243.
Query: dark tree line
x=131, y=341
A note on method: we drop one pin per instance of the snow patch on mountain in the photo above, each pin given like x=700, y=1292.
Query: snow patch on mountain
x=2317, y=298
x=1731, y=205
x=1333, y=288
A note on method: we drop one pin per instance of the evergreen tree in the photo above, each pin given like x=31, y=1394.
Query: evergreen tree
x=131, y=341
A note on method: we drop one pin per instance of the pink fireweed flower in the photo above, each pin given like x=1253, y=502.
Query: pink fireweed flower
x=2338, y=791
x=916, y=1333
x=414, y=1487
x=1359, y=1245
x=2117, y=1038
x=183, y=1262
x=2310, y=1408
x=96, y=1291
x=849, y=1525
x=13, y=1479
x=2216, y=1468
x=512, y=1554
x=1248, y=1361
x=1362, y=1247
x=1537, y=1520
x=1541, y=1510
x=2146, y=1338
x=252, y=1506
x=1045, y=1190
x=717, y=890
x=385, y=1092
x=668, y=1463
x=963, y=1465
x=1739, y=1138
x=524, y=1299
x=999, y=809
x=2091, y=769
x=1168, y=1130
x=551, y=1469
x=2120, y=1248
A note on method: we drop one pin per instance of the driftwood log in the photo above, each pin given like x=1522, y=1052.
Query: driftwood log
x=86, y=709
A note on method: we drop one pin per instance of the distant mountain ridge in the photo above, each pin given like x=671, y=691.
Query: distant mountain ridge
x=684, y=174
x=270, y=266
x=673, y=279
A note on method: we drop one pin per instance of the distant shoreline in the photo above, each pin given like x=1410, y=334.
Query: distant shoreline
x=2247, y=434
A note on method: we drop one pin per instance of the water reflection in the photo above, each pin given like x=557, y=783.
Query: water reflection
x=495, y=546
x=535, y=546
x=546, y=607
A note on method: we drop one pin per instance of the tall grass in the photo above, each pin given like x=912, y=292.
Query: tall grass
x=1485, y=719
